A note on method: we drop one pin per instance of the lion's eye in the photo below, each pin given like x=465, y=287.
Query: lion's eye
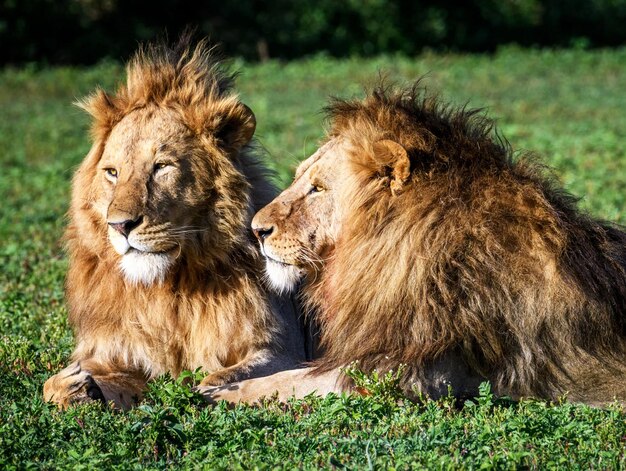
x=316, y=189
x=160, y=166
x=111, y=172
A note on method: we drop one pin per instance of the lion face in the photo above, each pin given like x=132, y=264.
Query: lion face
x=153, y=188
x=298, y=231
x=299, y=228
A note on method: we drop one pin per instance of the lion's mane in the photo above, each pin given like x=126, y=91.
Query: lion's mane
x=479, y=253
x=212, y=311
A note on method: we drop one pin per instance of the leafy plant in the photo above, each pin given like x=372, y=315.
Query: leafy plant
x=385, y=385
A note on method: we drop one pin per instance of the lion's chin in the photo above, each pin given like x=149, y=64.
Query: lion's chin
x=282, y=278
x=144, y=267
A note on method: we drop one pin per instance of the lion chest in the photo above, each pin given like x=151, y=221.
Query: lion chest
x=157, y=332
x=180, y=333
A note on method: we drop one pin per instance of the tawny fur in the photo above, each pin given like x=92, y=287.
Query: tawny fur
x=208, y=309
x=472, y=265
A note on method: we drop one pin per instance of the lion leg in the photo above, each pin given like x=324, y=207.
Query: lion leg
x=284, y=385
x=261, y=363
x=89, y=380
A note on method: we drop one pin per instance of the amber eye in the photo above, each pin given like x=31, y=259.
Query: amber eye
x=316, y=189
x=160, y=165
x=111, y=172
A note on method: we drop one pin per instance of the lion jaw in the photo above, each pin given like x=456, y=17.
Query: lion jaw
x=282, y=277
x=144, y=267
x=138, y=264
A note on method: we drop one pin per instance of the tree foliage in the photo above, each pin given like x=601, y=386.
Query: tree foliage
x=84, y=31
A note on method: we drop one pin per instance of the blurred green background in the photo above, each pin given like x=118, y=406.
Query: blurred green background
x=84, y=31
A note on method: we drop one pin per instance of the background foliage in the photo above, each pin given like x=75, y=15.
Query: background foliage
x=84, y=31
x=568, y=106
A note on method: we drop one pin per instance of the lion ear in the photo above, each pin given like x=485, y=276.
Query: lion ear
x=103, y=109
x=237, y=127
x=391, y=155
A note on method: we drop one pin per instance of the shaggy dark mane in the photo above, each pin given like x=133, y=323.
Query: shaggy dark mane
x=482, y=257
x=435, y=134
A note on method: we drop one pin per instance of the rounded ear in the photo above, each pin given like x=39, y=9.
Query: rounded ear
x=103, y=109
x=237, y=127
x=391, y=155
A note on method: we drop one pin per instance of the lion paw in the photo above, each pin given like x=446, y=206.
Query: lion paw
x=219, y=378
x=211, y=381
x=70, y=386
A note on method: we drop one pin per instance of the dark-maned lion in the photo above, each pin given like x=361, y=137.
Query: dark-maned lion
x=423, y=242
x=164, y=273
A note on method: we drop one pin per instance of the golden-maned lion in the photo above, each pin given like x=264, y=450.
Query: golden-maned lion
x=423, y=242
x=164, y=273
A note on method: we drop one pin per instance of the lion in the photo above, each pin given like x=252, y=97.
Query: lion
x=427, y=247
x=164, y=274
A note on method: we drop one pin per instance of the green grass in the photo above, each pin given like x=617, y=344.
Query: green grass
x=567, y=106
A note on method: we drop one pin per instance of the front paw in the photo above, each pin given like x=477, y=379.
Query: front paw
x=70, y=386
x=219, y=378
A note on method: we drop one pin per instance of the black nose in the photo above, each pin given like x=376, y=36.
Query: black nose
x=262, y=233
x=125, y=227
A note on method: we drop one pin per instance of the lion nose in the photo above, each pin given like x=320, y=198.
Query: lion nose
x=262, y=233
x=125, y=227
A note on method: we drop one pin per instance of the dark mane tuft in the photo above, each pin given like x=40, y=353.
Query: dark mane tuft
x=449, y=135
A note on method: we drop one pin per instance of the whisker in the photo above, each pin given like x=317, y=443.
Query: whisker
x=311, y=258
x=156, y=228
x=186, y=231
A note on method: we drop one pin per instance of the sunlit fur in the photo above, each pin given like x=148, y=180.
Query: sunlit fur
x=282, y=278
x=473, y=265
x=304, y=223
x=145, y=269
x=190, y=294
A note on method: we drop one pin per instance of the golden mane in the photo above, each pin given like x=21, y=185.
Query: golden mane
x=479, y=253
x=193, y=81
x=197, y=302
